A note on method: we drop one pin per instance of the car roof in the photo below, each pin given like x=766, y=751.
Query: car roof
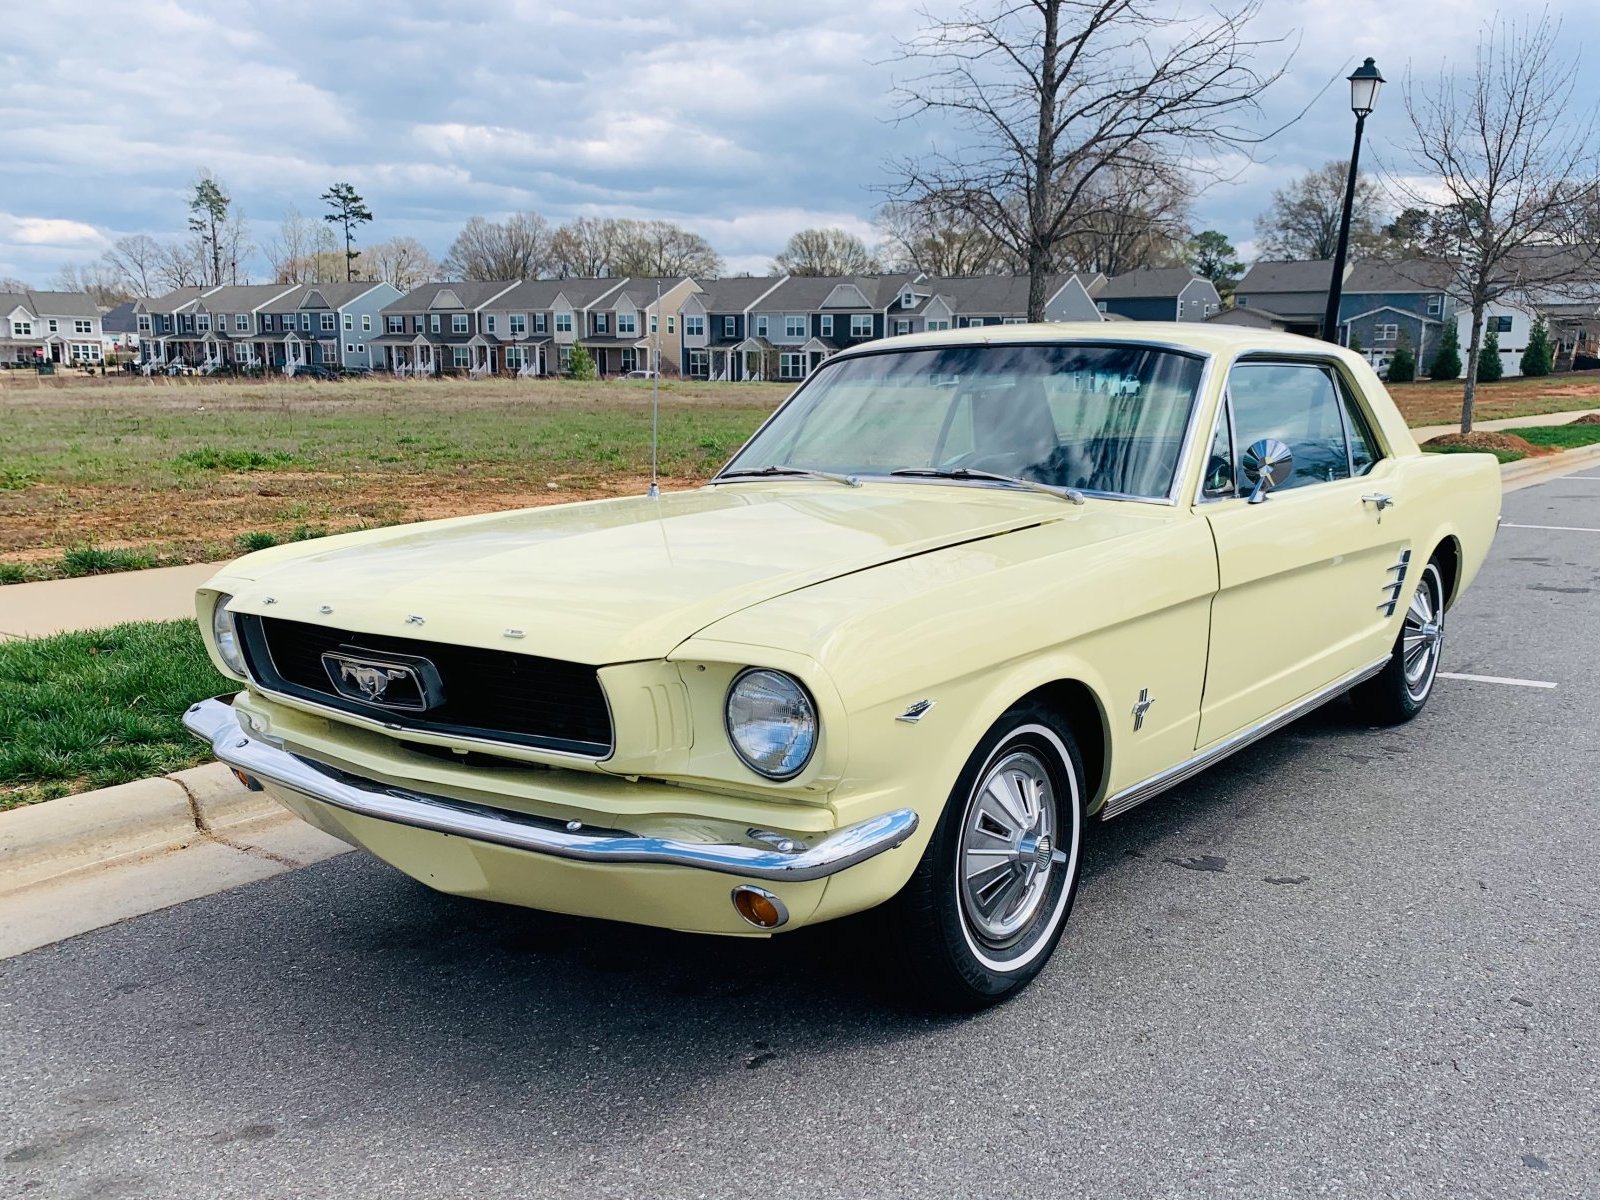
x=1210, y=338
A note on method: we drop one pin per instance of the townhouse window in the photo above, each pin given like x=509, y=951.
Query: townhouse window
x=330, y=323
x=144, y=324
x=433, y=322
x=488, y=322
x=669, y=325
x=349, y=321
x=935, y=326
x=563, y=322
x=907, y=299
x=459, y=356
x=627, y=323
x=397, y=324
x=1385, y=333
x=518, y=324
x=1435, y=305
x=515, y=357
x=699, y=360
x=791, y=366
x=730, y=327
x=241, y=322
x=366, y=322
x=82, y=327
x=692, y=326
x=539, y=322
x=241, y=352
x=1499, y=324
x=630, y=359
x=349, y=347
x=761, y=326
x=305, y=322
x=825, y=325
x=902, y=326
x=361, y=347
x=860, y=325
x=602, y=323
x=202, y=323
x=1014, y=321
x=655, y=323
x=54, y=327
x=795, y=327
x=458, y=322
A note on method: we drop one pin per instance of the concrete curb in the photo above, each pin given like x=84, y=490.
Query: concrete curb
x=1529, y=471
x=43, y=842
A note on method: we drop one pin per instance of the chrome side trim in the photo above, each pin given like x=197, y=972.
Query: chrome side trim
x=1131, y=797
x=215, y=722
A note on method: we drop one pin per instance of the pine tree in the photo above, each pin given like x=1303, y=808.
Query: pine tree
x=1355, y=341
x=1539, y=356
x=580, y=365
x=1490, y=369
x=1403, y=366
x=1447, y=358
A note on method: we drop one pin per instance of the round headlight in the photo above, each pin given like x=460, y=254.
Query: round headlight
x=771, y=723
x=227, y=637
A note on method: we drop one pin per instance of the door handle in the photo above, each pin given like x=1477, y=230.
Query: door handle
x=1381, y=500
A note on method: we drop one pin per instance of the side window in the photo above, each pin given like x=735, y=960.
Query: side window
x=1219, y=480
x=1363, y=449
x=1298, y=404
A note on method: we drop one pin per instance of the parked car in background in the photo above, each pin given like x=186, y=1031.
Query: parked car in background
x=313, y=371
x=961, y=595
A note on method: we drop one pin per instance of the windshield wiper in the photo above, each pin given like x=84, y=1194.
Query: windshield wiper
x=779, y=469
x=1061, y=493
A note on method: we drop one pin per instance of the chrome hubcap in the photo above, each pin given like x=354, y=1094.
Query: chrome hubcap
x=1008, y=848
x=1423, y=638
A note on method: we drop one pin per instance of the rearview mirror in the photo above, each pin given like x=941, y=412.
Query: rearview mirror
x=1266, y=465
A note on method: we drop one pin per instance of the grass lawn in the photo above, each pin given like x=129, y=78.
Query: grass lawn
x=1561, y=437
x=88, y=710
x=105, y=475
x=1429, y=403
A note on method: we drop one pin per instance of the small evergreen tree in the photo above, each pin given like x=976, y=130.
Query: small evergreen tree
x=1490, y=369
x=1447, y=358
x=580, y=365
x=1355, y=341
x=1403, y=366
x=1539, y=356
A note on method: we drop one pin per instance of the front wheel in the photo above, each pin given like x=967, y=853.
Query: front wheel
x=1401, y=689
x=990, y=896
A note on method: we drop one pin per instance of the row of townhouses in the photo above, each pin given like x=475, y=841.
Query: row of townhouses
x=53, y=327
x=1385, y=304
x=744, y=328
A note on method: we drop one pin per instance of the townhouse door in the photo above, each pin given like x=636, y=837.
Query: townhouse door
x=1303, y=575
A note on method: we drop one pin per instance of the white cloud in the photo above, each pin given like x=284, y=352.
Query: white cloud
x=50, y=231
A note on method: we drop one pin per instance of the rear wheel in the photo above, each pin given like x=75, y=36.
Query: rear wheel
x=1401, y=689
x=989, y=898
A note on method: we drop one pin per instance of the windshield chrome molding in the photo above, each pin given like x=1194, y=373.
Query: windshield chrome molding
x=1173, y=495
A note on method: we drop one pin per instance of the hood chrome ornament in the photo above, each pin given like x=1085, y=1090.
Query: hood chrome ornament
x=413, y=619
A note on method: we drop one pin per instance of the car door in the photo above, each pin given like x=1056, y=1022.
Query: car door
x=1306, y=576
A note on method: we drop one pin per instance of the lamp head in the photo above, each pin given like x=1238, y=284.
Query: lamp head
x=1365, y=82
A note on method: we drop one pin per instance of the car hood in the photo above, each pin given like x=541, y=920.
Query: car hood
x=617, y=580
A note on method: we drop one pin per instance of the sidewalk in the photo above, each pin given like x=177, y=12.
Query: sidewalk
x=1423, y=432
x=98, y=601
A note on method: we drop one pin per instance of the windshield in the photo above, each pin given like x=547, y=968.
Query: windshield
x=1098, y=418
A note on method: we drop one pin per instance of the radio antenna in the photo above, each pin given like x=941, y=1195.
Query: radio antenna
x=655, y=402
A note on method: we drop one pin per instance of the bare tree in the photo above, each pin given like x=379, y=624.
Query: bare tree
x=1516, y=165
x=135, y=261
x=328, y=262
x=181, y=264
x=825, y=252
x=289, y=252
x=516, y=248
x=98, y=281
x=1302, y=222
x=10, y=286
x=236, y=248
x=402, y=261
x=584, y=248
x=926, y=235
x=660, y=249
x=1052, y=93
x=1135, y=213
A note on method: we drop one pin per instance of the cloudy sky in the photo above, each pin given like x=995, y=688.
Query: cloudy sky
x=743, y=121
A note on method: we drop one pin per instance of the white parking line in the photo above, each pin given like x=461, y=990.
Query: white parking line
x=1558, y=528
x=1586, y=478
x=1533, y=683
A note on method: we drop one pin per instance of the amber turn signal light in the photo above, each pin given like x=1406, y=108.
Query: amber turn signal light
x=759, y=906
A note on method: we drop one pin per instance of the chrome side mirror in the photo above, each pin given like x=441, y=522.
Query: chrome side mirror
x=1266, y=465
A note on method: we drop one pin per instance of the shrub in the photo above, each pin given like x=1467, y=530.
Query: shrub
x=257, y=540
x=1490, y=369
x=91, y=560
x=1355, y=341
x=1539, y=356
x=1447, y=358
x=1403, y=366
x=210, y=458
x=580, y=365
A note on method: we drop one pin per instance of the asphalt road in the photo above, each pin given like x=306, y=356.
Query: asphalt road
x=1350, y=962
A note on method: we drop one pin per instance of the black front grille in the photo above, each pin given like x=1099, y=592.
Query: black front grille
x=492, y=694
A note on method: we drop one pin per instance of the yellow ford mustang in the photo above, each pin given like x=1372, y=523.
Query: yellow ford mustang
x=962, y=594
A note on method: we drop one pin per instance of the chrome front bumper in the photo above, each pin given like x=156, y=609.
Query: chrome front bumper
x=216, y=722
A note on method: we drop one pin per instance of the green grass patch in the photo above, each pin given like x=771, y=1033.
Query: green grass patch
x=89, y=710
x=1505, y=456
x=91, y=560
x=1563, y=437
x=15, y=573
x=209, y=458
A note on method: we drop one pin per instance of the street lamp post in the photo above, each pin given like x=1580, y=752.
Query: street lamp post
x=1365, y=83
